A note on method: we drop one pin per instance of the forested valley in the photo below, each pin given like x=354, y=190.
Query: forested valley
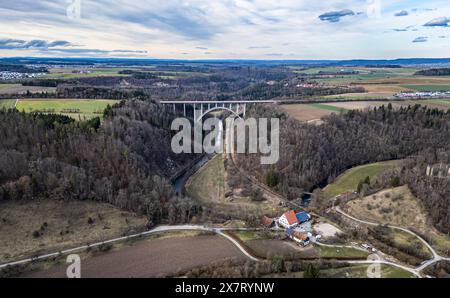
x=313, y=155
x=125, y=161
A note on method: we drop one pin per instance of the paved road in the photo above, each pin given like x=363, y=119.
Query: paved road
x=436, y=256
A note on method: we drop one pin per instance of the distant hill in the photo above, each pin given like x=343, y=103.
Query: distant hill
x=123, y=61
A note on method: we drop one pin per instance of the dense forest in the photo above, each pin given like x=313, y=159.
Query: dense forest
x=314, y=155
x=434, y=72
x=124, y=161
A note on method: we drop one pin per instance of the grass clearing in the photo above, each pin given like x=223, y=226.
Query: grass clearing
x=399, y=207
x=53, y=225
x=396, y=206
x=209, y=186
x=341, y=252
x=328, y=107
x=87, y=108
x=247, y=235
x=268, y=248
x=350, y=179
x=8, y=86
x=432, y=88
x=7, y=103
x=305, y=112
x=360, y=271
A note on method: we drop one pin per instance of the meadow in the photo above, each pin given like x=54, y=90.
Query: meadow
x=86, y=108
x=350, y=179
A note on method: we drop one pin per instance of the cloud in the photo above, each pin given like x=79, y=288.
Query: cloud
x=335, y=16
x=259, y=47
x=404, y=29
x=11, y=44
x=201, y=48
x=438, y=22
x=402, y=13
x=420, y=39
x=58, y=46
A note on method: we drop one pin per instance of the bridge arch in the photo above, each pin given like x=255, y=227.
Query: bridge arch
x=217, y=109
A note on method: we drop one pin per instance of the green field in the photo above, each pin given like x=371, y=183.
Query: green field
x=87, y=108
x=7, y=86
x=327, y=107
x=248, y=235
x=360, y=271
x=7, y=103
x=341, y=252
x=68, y=73
x=350, y=179
x=432, y=88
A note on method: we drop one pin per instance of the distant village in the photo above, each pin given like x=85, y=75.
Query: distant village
x=423, y=94
x=11, y=75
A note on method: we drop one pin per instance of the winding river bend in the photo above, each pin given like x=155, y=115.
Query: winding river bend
x=179, y=182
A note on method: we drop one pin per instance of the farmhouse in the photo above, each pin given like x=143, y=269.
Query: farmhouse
x=298, y=237
x=288, y=220
x=303, y=217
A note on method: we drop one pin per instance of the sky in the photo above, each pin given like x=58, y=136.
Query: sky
x=226, y=29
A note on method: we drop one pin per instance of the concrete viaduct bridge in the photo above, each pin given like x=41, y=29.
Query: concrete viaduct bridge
x=201, y=108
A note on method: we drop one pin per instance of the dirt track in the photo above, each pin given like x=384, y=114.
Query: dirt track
x=152, y=258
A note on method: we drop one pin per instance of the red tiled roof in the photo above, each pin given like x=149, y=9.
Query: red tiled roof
x=291, y=218
x=300, y=236
x=265, y=221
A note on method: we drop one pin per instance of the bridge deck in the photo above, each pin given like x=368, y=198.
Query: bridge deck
x=215, y=101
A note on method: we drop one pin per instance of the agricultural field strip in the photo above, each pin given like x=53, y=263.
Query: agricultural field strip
x=436, y=256
x=159, y=229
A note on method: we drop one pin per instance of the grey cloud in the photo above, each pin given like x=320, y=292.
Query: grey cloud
x=438, y=22
x=422, y=9
x=12, y=44
x=402, y=13
x=58, y=46
x=335, y=16
x=421, y=39
x=201, y=48
x=405, y=29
